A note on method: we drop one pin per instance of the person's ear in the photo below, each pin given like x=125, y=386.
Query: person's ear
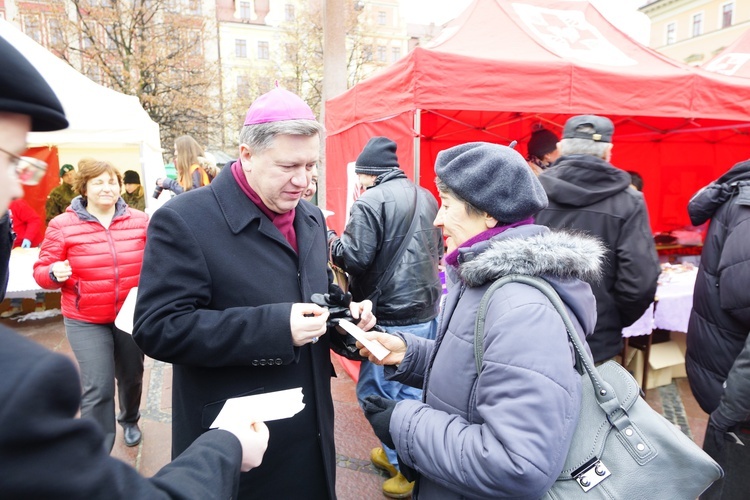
x=246, y=155
x=490, y=221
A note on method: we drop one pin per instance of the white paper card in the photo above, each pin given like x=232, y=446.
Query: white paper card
x=124, y=319
x=259, y=408
x=375, y=347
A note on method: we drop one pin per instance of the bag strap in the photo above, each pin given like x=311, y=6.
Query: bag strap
x=603, y=391
x=385, y=277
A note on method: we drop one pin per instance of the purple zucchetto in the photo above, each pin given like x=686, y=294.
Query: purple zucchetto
x=278, y=105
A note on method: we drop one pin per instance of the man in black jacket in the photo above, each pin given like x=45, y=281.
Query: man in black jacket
x=400, y=276
x=45, y=450
x=588, y=193
x=718, y=340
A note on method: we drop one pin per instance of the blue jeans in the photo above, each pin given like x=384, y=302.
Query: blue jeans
x=372, y=381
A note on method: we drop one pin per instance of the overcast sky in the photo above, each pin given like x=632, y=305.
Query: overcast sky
x=622, y=13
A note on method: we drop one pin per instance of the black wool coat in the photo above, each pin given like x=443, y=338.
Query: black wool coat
x=215, y=297
x=47, y=452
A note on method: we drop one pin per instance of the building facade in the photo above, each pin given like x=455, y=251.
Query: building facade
x=693, y=31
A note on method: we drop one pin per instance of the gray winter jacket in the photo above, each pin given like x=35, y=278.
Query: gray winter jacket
x=717, y=340
x=506, y=432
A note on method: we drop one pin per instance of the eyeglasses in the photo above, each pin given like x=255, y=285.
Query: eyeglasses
x=28, y=170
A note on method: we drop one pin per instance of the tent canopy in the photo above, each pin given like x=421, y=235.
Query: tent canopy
x=104, y=124
x=734, y=60
x=501, y=67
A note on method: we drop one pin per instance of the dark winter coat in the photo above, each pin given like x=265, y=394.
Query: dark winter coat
x=720, y=319
x=215, y=299
x=588, y=194
x=58, y=200
x=6, y=244
x=47, y=452
x=506, y=432
x=378, y=223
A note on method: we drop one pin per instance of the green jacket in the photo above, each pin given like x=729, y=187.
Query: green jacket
x=58, y=200
x=136, y=199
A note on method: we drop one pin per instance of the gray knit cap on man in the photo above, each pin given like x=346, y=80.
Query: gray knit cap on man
x=589, y=194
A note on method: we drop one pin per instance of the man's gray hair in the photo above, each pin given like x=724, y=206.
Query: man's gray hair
x=260, y=137
x=583, y=147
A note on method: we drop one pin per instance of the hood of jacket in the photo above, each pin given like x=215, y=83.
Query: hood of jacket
x=736, y=182
x=581, y=180
x=396, y=173
x=567, y=260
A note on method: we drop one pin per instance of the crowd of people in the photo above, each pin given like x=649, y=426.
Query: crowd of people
x=226, y=273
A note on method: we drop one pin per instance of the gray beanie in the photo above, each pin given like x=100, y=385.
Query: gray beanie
x=495, y=179
x=377, y=157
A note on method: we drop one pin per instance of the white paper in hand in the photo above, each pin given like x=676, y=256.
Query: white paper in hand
x=375, y=347
x=259, y=408
x=124, y=319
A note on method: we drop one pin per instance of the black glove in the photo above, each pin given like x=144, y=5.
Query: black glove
x=718, y=430
x=378, y=412
x=406, y=471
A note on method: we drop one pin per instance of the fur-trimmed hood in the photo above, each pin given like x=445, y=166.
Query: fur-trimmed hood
x=533, y=251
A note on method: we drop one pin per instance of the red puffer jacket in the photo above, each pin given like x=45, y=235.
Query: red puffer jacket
x=106, y=263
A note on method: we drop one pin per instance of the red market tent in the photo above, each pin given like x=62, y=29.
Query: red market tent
x=503, y=66
x=734, y=60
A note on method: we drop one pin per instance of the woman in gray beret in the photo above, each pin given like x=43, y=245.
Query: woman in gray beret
x=505, y=432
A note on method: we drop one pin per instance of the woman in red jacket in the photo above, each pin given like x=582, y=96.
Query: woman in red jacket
x=93, y=253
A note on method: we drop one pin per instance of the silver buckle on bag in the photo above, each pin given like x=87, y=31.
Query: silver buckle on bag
x=590, y=474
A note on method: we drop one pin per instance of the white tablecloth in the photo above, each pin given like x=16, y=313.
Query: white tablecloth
x=21, y=282
x=671, y=311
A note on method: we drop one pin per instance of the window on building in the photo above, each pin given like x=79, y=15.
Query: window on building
x=94, y=73
x=33, y=28
x=55, y=32
x=727, y=12
x=290, y=51
x=381, y=53
x=289, y=12
x=698, y=24
x=263, y=52
x=194, y=7
x=172, y=6
x=671, y=33
x=396, y=53
x=240, y=48
x=246, y=10
x=382, y=18
x=110, y=36
x=243, y=87
x=195, y=42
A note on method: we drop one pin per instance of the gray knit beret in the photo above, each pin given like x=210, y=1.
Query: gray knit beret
x=377, y=157
x=495, y=179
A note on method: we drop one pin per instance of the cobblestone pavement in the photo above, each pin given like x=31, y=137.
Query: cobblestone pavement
x=357, y=479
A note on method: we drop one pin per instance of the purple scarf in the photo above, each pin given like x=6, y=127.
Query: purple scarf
x=452, y=258
x=283, y=222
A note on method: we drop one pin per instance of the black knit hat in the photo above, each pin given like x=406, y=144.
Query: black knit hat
x=378, y=157
x=131, y=177
x=542, y=141
x=592, y=127
x=495, y=179
x=25, y=92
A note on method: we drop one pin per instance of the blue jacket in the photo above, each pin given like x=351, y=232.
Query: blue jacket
x=506, y=432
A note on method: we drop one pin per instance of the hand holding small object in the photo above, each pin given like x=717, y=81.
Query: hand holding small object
x=307, y=323
x=62, y=270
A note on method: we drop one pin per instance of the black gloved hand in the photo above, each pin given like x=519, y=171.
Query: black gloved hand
x=718, y=430
x=378, y=412
x=406, y=471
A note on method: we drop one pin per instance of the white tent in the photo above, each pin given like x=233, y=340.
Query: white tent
x=104, y=124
